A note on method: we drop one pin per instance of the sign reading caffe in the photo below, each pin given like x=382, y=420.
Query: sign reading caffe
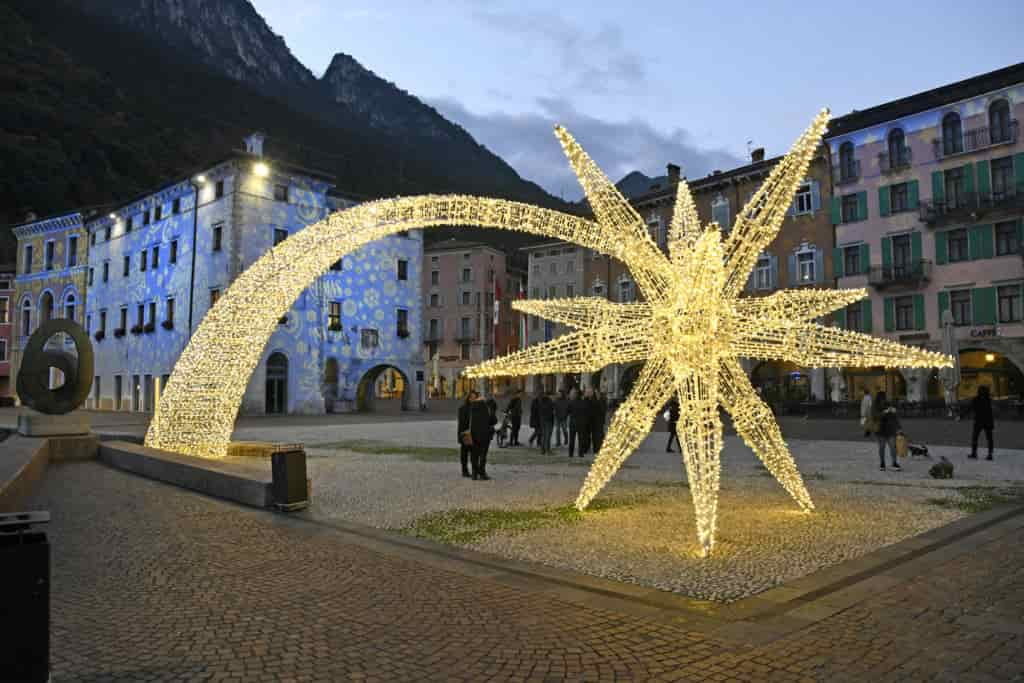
x=983, y=332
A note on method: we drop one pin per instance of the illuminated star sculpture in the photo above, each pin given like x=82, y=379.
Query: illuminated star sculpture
x=693, y=327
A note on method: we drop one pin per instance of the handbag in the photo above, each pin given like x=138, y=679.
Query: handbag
x=467, y=436
x=901, y=446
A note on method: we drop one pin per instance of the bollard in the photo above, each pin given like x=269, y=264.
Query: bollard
x=25, y=605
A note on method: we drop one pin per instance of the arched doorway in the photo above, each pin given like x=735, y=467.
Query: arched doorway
x=45, y=308
x=982, y=367
x=383, y=387
x=329, y=384
x=873, y=380
x=277, y=384
x=781, y=381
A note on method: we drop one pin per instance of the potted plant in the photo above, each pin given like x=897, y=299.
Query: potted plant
x=150, y=327
x=136, y=329
x=119, y=332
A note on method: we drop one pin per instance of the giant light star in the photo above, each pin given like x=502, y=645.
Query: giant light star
x=692, y=328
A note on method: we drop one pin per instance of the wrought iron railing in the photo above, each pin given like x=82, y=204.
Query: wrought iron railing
x=844, y=174
x=976, y=139
x=889, y=163
x=973, y=204
x=912, y=273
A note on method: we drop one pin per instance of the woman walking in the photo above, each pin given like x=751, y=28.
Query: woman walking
x=887, y=425
x=476, y=429
x=981, y=406
x=463, y=426
x=672, y=417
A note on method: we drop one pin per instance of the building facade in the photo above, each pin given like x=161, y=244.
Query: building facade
x=462, y=326
x=7, y=299
x=157, y=264
x=927, y=206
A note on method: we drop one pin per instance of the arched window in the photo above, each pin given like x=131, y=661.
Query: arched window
x=898, y=153
x=999, y=122
x=847, y=163
x=952, y=134
x=26, y=318
x=45, y=308
x=69, y=306
x=720, y=212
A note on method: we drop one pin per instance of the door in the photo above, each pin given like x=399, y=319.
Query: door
x=277, y=384
x=136, y=394
x=147, y=395
x=901, y=256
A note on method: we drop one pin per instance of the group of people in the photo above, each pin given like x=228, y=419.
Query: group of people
x=878, y=416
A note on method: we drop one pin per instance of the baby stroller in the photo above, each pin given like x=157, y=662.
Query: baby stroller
x=504, y=430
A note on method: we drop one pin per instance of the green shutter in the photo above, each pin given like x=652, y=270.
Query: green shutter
x=988, y=240
x=968, y=179
x=943, y=304
x=915, y=248
x=862, y=206
x=837, y=262
x=865, y=258
x=839, y=318
x=984, y=178
x=837, y=211
x=938, y=186
x=941, y=248
x=1018, y=170
x=886, y=253
x=983, y=306
x=912, y=195
x=919, y=311
x=980, y=242
x=890, y=314
x=883, y=200
x=974, y=242
x=865, y=315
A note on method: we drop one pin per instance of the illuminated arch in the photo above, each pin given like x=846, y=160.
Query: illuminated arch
x=200, y=403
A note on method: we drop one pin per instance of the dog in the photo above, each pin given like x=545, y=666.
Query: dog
x=943, y=469
x=918, y=450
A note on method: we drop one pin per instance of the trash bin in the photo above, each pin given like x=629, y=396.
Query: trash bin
x=25, y=601
x=289, y=488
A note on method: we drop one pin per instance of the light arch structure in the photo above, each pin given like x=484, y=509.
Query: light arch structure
x=201, y=400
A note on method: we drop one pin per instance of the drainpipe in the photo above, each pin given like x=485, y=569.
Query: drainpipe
x=192, y=279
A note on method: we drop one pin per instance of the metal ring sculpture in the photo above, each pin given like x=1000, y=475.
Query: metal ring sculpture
x=34, y=375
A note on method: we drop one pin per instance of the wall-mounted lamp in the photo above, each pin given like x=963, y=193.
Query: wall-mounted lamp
x=261, y=169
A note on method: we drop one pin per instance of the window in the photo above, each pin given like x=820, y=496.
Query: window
x=1002, y=178
x=1009, y=298
x=554, y=268
x=955, y=187
x=720, y=212
x=952, y=134
x=899, y=155
x=3, y=349
x=849, y=206
x=598, y=289
x=999, y=122
x=570, y=291
x=960, y=305
x=334, y=316
x=369, y=339
x=403, y=269
x=536, y=269
x=143, y=256
x=27, y=265
x=106, y=271
x=763, y=274
x=214, y=297
x=464, y=328
x=218, y=231
x=103, y=323
x=90, y=277
x=92, y=238
x=435, y=300
x=626, y=291
x=901, y=253
x=280, y=193
x=129, y=224
x=70, y=307
x=4, y=303
x=467, y=275
x=156, y=257
x=802, y=201
x=851, y=261
x=140, y=315
x=48, y=251
x=434, y=328
x=847, y=162
x=466, y=299
x=26, y=318
x=435, y=277
x=158, y=212
x=805, y=267
x=956, y=244
x=118, y=389
x=126, y=268
x=465, y=256
x=152, y=313
x=1006, y=238
x=145, y=217
x=855, y=317
x=124, y=319
x=654, y=228
x=570, y=267
x=435, y=259
x=464, y=351
x=402, y=322
x=106, y=233
x=280, y=235
x=534, y=323
x=175, y=206
x=899, y=197
x=173, y=255
x=169, y=318
x=218, y=189
x=904, y=306
x=535, y=293
x=72, y=259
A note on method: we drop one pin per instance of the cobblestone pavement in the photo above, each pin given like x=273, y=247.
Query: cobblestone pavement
x=152, y=583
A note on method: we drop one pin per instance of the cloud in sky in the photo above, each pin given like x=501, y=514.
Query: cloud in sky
x=528, y=143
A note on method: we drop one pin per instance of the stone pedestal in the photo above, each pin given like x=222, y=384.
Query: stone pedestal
x=32, y=423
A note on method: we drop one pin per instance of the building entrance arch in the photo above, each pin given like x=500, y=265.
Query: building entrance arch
x=382, y=383
x=981, y=366
x=277, y=384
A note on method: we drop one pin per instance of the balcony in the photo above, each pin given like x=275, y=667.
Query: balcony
x=846, y=174
x=904, y=275
x=432, y=337
x=888, y=163
x=973, y=206
x=466, y=336
x=977, y=139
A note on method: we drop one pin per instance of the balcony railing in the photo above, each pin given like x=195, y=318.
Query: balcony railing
x=911, y=274
x=888, y=163
x=845, y=174
x=977, y=139
x=467, y=337
x=972, y=205
x=429, y=337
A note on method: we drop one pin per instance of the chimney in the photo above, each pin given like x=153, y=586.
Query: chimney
x=254, y=143
x=757, y=155
x=30, y=216
x=673, y=174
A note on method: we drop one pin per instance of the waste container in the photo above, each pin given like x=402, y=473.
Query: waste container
x=25, y=601
x=289, y=489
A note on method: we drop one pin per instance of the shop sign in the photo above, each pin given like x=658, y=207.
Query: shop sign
x=984, y=332
x=449, y=359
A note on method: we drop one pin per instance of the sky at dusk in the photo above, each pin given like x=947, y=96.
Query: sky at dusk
x=643, y=84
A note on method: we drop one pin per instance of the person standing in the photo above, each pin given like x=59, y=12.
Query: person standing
x=515, y=415
x=481, y=429
x=673, y=420
x=888, y=425
x=579, y=426
x=865, y=412
x=465, y=450
x=561, y=419
x=534, y=420
x=547, y=422
x=981, y=406
x=595, y=418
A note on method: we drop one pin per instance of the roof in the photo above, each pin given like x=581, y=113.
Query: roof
x=710, y=180
x=929, y=99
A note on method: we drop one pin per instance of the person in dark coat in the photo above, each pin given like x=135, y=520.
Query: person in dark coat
x=673, y=420
x=547, y=422
x=981, y=406
x=463, y=424
x=561, y=419
x=579, y=424
x=888, y=425
x=476, y=418
x=596, y=410
x=534, y=420
x=515, y=415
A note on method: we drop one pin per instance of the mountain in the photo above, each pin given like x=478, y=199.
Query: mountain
x=636, y=183
x=105, y=99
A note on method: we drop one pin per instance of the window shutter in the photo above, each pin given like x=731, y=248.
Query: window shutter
x=968, y=179
x=983, y=305
x=837, y=210
x=915, y=248
x=837, y=262
x=890, y=314
x=919, y=311
x=883, y=200
x=941, y=248
x=886, y=253
x=839, y=318
x=862, y=206
x=943, y=305
x=988, y=238
x=819, y=265
x=984, y=178
x=912, y=195
x=774, y=270
x=1018, y=170
x=791, y=270
x=980, y=242
x=865, y=257
x=865, y=316
x=938, y=186
x=815, y=196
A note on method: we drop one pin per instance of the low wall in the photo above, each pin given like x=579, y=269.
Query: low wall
x=23, y=462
